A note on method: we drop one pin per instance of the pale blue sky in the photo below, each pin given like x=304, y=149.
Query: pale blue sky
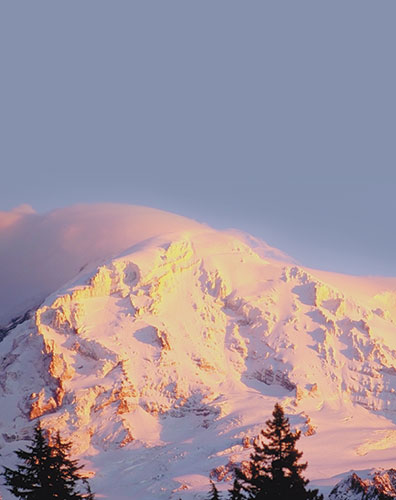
x=277, y=117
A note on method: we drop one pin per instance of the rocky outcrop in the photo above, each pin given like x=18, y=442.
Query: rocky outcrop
x=380, y=485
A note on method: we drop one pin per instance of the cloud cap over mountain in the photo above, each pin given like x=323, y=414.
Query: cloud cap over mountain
x=40, y=253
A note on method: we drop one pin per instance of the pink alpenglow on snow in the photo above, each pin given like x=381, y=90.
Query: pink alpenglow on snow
x=157, y=344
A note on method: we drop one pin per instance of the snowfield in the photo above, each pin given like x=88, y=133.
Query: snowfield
x=158, y=345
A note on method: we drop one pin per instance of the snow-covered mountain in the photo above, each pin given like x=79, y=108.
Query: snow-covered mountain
x=159, y=346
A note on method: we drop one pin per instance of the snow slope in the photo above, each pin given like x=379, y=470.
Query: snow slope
x=158, y=362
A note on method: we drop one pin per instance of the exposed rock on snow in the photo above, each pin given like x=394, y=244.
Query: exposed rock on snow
x=380, y=485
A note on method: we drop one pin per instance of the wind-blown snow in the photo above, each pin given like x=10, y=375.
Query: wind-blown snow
x=40, y=253
x=159, y=361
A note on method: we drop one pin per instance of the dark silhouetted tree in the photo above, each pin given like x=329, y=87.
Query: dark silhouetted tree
x=236, y=491
x=214, y=494
x=274, y=471
x=47, y=472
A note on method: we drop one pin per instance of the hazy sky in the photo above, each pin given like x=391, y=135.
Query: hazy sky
x=275, y=117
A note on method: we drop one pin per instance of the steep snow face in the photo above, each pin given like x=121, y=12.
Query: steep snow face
x=159, y=362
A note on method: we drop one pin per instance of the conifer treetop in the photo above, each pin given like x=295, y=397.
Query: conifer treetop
x=274, y=471
x=47, y=472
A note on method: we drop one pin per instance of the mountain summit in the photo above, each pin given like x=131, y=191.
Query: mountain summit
x=159, y=346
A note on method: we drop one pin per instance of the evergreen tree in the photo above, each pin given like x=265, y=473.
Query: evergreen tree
x=274, y=471
x=236, y=491
x=47, y=473
x=214, y=494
